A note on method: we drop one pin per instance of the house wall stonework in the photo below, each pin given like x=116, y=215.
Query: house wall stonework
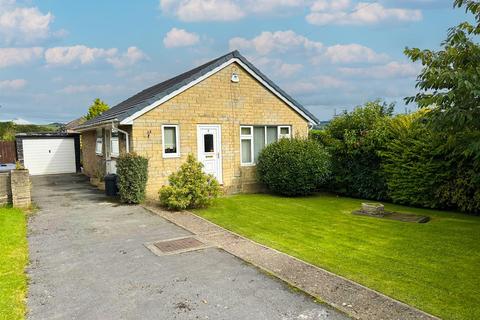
x=94, y=164
x=215, y=100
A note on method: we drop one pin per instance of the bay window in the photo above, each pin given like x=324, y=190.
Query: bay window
x=254, y=138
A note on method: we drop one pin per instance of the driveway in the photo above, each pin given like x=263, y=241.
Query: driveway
x=88, y=261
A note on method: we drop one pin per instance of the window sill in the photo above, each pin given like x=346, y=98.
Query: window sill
x=248, y=164
x=170, y=156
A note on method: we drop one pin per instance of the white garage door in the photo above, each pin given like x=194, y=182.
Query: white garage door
x=49, y=156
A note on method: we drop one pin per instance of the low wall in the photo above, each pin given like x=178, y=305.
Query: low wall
x=15, y=188
x=5, y=189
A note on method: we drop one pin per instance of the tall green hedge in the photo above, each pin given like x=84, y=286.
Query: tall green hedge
x=132, y=171
x=402, y=158
x=421, y=169
x=354, y=140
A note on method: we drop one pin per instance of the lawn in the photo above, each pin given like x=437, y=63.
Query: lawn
x=434, y=266
x=13, y=259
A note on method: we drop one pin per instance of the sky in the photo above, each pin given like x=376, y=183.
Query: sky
x=57, y=56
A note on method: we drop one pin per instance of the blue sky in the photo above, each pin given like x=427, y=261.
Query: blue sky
x=56, y=56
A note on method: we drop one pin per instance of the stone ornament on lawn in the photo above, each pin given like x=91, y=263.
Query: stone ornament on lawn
x=377, y=209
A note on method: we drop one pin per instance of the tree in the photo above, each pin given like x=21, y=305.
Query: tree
x=449, y=83
x=97, y=108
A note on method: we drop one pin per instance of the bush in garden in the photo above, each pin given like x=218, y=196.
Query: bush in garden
x=293, y=167
x=189, y=187
x=132, y=171
x=354, y=140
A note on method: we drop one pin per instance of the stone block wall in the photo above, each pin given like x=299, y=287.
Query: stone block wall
x=15, y=188
x=5, y=189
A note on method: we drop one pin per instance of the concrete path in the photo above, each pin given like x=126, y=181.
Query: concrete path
x=88, y=261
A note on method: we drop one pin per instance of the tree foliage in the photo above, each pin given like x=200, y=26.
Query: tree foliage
x=449, y=82
x=97, y=108
x=354, y=140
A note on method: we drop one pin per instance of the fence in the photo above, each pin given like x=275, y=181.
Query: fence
x=8, y=152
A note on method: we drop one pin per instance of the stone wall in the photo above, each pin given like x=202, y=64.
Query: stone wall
x=15, y=189
x=5, y=189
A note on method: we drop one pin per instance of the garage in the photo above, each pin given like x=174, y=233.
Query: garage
x=49, y=153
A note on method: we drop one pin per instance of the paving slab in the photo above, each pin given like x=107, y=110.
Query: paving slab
x=89, y=261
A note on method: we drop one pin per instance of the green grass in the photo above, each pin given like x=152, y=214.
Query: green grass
x=13, y=259
x=434, y=266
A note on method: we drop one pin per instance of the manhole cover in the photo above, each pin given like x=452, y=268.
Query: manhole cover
x=177, y=245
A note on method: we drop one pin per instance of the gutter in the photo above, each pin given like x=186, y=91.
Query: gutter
x=95, y=125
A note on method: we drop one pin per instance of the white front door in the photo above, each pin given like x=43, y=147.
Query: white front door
x=209, y=141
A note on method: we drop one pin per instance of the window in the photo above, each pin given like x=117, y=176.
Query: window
x=246, y=142
x=170, y=141
x=208, y=145
x=99, y=142
x=254, y=138
x=114, y=144
x=283, y=132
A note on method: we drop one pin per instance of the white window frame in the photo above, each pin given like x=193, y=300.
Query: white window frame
x=177, y=141
x=99, y=141
x=117, y=141
x=250, y=137
x=288, y=136
x=246, y=137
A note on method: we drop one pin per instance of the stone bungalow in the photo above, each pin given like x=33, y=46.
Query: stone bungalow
x=224, y=112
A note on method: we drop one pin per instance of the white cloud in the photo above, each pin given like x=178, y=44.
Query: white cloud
x=129, y=58
x=315, y=84
x=353, y=53
x=22, y=24
x=97, y=88
x=204, y=10
x=268, y=6
x=75, y=54
x=19, y=56
x=279, y=41
x=81, y=54
x=278, y=67
x=343, y=12
x=180, y=38
x=392, y=69
x=225, y=10
x=13, y=84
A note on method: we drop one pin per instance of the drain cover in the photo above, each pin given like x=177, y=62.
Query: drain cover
x=177, y=245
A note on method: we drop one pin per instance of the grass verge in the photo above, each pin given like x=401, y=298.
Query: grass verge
x=13, y=260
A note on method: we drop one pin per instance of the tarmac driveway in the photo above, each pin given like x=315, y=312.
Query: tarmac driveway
x=88, y=261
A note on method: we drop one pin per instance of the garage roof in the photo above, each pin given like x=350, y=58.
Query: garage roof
x=149, y=96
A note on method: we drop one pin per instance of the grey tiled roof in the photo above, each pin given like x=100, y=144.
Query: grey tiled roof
x=148, y=96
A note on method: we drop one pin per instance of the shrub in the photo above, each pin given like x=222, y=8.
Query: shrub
x=293, y=167
x=132, y=171
x=353, y=140
x=189, y=188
